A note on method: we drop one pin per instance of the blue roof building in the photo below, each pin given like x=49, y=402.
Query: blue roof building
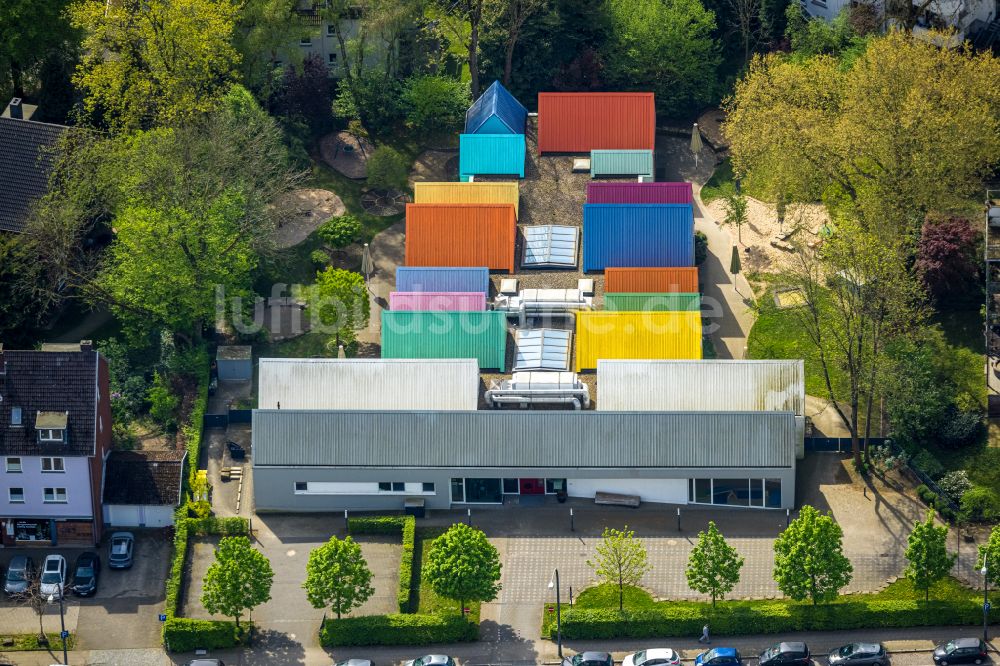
x=496, y=112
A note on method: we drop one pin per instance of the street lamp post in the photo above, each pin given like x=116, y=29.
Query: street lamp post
x=62, y=624
x=558, y=614
x=986, y=601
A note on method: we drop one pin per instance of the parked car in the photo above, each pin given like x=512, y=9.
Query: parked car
x=205, y=662
x=960, y=651
x=589, y=659
x=722, y=656
x=120, y=550
x=354, y=662
x=85, y=573
x=236, y=452
x=653, y=657
x=53, y=580
x=431, y=660
x=859, y=654
x=794, y=653
x=20, y=571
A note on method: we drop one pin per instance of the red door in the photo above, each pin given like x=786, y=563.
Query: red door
x=532, y=486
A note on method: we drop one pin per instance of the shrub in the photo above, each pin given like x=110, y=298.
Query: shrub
x=183, y=634
x=387, y=168
x=980, y=503
x=163, y=403
x=319, y=259
x=435, y=103
x=232, y=526
x=377, y=524
x=372, y=99
x=339, y=231
x=926, y=462
x=175, y=576
x=700, y=247
x=400, y=629
x=955, y=484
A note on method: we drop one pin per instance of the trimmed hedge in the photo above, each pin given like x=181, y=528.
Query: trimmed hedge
x=175, y=577
x=232, y=526
x=406, y=527
x=762, y=617
x=183, y=634
x=399, y=629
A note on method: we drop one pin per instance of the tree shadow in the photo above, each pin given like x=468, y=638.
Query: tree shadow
x=274, y=648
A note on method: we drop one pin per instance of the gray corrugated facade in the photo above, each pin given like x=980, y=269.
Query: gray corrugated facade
x=351, y=448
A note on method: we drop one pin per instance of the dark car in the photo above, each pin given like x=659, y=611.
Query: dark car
x=236, y=452
x=859, y=654
x=960, y=651
x=120, y=550
x=719, y=657
x=20, y=571
x=86, y=570
x=205, y=662
x=589, y=659
x=794, y=654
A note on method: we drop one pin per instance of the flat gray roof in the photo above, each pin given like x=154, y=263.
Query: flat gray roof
x=436, y=439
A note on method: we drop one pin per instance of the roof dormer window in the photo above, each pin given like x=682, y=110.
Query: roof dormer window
x=51, y=426
x=15, y=417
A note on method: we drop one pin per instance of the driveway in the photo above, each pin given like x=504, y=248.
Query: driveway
x=127, y=604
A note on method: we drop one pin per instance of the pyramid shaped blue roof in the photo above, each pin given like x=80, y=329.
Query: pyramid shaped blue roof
x=496, y=112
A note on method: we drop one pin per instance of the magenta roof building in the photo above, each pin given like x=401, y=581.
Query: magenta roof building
x=639, y=193
x=438, y=301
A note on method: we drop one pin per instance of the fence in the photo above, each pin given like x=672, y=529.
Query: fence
x=839, y=444
x=231, y=416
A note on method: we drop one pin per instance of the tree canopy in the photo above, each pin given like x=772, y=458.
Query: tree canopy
x=620, y=561
x=927, y=554
x=239, y=579
x=905, y=128
x=809, y=561
x=714, y=566
x=154, y=62
x=463, y=565
x=337, y=576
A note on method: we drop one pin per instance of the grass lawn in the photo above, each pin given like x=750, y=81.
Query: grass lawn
x=427, y=601
x=29, y=642
x=778, y=334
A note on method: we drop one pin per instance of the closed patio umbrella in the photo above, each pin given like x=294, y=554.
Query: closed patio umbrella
x=340, y=352
x=696, y=144
x=367, y=265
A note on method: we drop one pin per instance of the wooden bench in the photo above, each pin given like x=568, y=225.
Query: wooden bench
x=231, y=473
x=614, y=499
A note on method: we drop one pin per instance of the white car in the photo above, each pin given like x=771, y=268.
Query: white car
x=53, y=580
x=431, y=660
x=653, y=657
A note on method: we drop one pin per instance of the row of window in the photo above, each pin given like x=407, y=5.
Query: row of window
x=49, y=495
x=363, y=488
x=13, y=465
x=736, y=492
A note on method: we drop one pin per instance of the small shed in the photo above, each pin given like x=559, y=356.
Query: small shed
x=635, y=193
x=461, y=235
x=422, y=334
x=640, y=235
x=496, y=112
x=683, y=279
x=491, y=192
x=614, y=163
x=234, y=362
x=142, y=488
x=438, y=301
x=442, y=279
x=652, y=302
x=490, y=155
x=636, y=335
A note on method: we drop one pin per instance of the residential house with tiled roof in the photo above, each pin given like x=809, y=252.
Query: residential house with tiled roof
x=55, y=432
x=26, y=163
x=142, y=488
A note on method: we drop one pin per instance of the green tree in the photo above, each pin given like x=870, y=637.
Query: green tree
x=340, y=300
x=736, y=205
x=991, y=552
x=463, y=565
x=340, y=231
x=714, y=566
x=809, y=561
x=903, y=129
x=156, y=62
x=163, y=402
x=268, y=31
x=387, y=168
x=511, y=16
x=29, y=32
x=927, y=554
x=435, y=103
x=665, y=46
x=620, y=560
x=239, y=579
x=337, y=576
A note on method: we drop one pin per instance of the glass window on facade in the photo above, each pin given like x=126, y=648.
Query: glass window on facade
x=772, y=493
x=756, y=492
x=457, y=490
x=553, y=486
x=703, y=491
x=427, y=487
x=731, y=492
x=483, y=491
x=510, y=487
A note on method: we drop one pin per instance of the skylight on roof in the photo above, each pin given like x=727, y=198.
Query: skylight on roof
x=541, y=349
x=550, y=245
